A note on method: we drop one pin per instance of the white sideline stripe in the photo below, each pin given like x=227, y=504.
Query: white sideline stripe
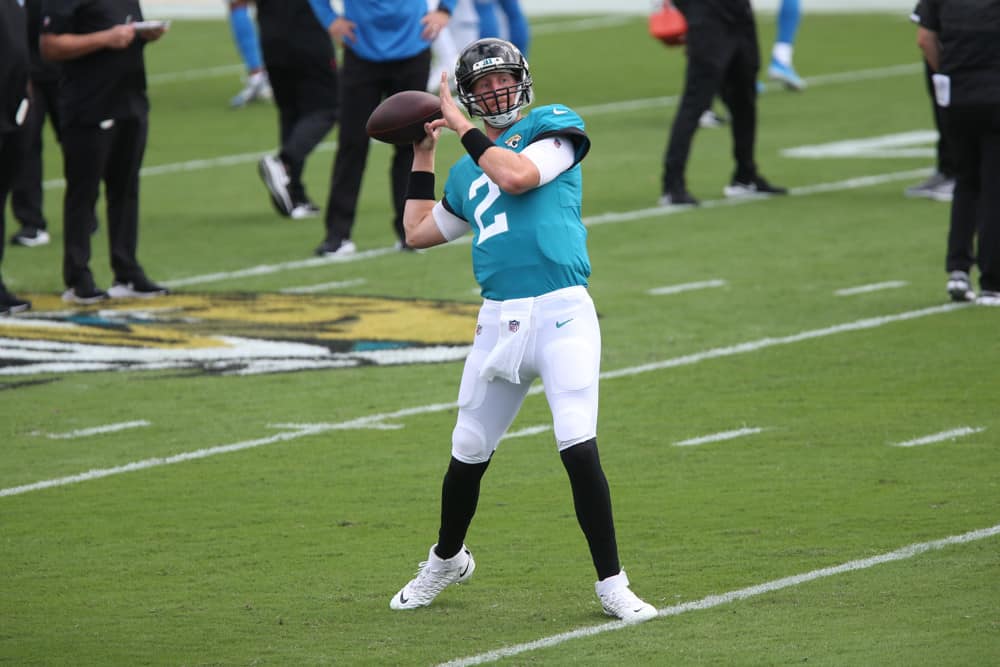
x=686, y=287
x=589, y=221
x=322, y=287
x=711, y=601
x=874, y=287
x=98, y=430
x=938, y=437
x=377, y=420
x=718, y=437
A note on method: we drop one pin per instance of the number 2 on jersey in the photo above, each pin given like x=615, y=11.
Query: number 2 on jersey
x=499, y=223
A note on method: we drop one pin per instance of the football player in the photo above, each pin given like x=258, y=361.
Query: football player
x=519, y=191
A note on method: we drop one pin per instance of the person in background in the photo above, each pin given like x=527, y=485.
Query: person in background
x=27, y=199
x=520, y=192
x=386, y=51
x=940, y=185
x=781, y=68
x=961, y=41
x=14, y=69
x=509, y=23
x=302, y=68
x=722, y=58
x=105, y=123
x=257, y=86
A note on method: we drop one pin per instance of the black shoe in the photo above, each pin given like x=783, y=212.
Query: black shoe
x=10, y=304
x=84, y=294
x=757, y=185
x=678, y=197
x=30, y=237
x=138, y=288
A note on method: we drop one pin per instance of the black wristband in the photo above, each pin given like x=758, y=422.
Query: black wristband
x=442, y=8
x=420, y=185
x=476, y=142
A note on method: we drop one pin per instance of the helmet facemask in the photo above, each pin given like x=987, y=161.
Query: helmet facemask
x=499, y=108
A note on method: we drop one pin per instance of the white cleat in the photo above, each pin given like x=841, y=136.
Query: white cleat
x=619, y=601
x=434, y=575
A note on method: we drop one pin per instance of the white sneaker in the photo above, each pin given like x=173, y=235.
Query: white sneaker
x=619, y=601
x=275, y=176
x=988, y=298
x=257, y=87
x=343, y=248
x=960, y=287
x=434, y=575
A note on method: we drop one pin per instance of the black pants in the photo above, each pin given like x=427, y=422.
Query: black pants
x=722, y=59
x=26, y=192
x=11, y=150
x=945, y=148
x=976, y=204
x=305, y=92
x=112, y=154
x=363, y=84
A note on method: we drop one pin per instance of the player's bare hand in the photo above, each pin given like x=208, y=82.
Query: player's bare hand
x=434, y=22
x=452, y=116
x=341, y=29
x=153, y=34
x=120, y=36
x=432, y=132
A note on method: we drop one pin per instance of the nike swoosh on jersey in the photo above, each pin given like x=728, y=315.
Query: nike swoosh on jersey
x=560, y=325
x=557, y=111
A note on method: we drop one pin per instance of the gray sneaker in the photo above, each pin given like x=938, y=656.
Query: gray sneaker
x=960, y=287
x=937, y=187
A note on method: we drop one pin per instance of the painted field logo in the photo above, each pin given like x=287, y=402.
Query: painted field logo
x=236, y=334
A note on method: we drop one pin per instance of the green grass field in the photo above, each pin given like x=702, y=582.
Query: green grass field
x=165, y=501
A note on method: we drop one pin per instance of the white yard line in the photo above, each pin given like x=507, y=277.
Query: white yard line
x=378, y=420
x=588, y=110
x=590, y=221
x=938, y=437
x=718, y=437
x=529, y=431
x=732, y=596
x=685, y=287
x=874, y=287
x=98, y=430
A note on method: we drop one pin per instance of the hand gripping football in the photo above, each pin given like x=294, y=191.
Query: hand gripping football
x=400, y=118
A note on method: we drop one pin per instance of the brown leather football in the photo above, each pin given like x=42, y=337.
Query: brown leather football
x=400, y=118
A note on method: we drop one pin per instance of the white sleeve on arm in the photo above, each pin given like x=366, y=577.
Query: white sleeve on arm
x=552, y=156
x=450, y=225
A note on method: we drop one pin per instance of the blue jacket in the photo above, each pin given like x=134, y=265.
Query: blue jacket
x=384, y=29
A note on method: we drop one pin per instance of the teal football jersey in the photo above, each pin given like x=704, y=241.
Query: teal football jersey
x=533, y=243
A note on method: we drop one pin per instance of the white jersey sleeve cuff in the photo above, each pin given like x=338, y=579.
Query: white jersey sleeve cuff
x=552, y=156
x=450, y=225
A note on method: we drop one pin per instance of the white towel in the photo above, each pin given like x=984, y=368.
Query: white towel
x=505, y=357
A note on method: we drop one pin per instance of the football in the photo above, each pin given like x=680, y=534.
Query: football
x=400, y=118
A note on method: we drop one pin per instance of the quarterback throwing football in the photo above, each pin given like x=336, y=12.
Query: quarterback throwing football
x=519, y=190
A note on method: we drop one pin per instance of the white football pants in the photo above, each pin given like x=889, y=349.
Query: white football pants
x=563, y=349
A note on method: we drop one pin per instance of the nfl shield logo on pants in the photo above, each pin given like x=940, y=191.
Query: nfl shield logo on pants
x=513, y=325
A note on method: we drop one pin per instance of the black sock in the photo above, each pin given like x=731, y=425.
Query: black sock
x=459, y=497
x=592, y=500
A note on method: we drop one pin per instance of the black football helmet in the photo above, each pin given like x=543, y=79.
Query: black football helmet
x=486, y=56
